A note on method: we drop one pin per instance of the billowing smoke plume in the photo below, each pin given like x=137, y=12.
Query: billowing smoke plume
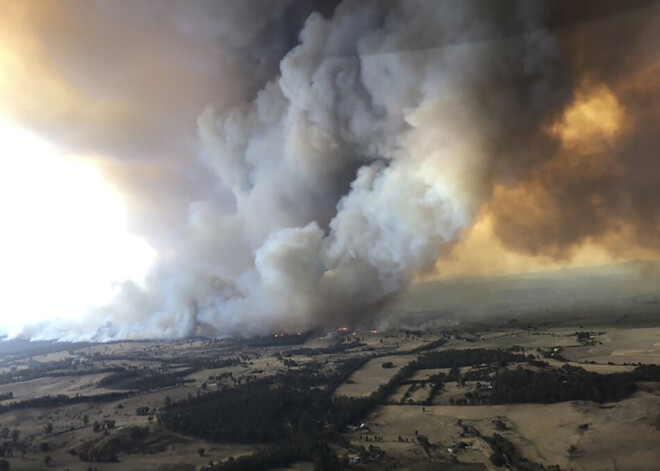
x=353, y=169
x=124, y=81
x=389, y=127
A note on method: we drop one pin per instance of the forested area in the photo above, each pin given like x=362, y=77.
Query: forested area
x=567, y=384
x=289, y=411
x=143, y=380
x=296, y=414
x=293, y=405
x=198, y=362
x=332, y=349
x=265, y=409
x=255, y=412
x=54, y=369
x=61, y=400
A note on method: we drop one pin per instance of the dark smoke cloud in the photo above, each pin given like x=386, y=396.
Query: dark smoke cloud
x=339, y=159
x=353, y=169
x=125, y=81
x=601, y=185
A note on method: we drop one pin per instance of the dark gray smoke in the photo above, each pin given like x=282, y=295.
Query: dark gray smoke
x=351, y=170
x=333, y=176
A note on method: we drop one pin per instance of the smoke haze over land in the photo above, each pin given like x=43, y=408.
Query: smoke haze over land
x=298, y=164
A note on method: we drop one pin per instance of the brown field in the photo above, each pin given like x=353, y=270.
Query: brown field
x=372, y=375
x=543, y=433
x=625, y=433
x=70, y=386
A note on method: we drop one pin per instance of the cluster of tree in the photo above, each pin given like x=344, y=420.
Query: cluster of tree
x=298, y=449
x=7, y=395
x=406, y=399
x=436, y=386
x=143, y=380
x=263, y=410
x=414, y=333
x=430, y=346
x=224, y=363
x=310, y=352
x=503, y=452
x=308, y=376
x=278, y=340
x=221, y=376
x=287, y=405
x=209, y=363
x=479, y=374
x=105, y=449
x=356, y=409
x=583, y=335
x=67, y=367
x=62, y=400
x=351, y=410
x=195, y=362
x=5, y=433
x=251, y=413
x=20, y=348
x=553, y=352
x=6, y=450
x=107, y=424
x=469, y=357
x=291, y=405
x=585, y=338
x=567, y=384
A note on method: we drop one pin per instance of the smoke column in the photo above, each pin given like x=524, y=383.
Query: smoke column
x=387, y=130
x=352, y=170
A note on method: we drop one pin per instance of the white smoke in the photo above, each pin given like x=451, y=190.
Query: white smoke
x=350, y=172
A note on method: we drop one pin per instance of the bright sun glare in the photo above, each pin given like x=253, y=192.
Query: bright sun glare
x=63, y=236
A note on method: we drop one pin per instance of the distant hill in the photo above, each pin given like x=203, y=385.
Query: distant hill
x=608, y=288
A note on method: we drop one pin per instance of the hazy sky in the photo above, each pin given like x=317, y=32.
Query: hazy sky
x=171, y=168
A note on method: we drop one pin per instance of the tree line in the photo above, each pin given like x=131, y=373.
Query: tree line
x=144, y=380
x=569, y=383
x=61, y=400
